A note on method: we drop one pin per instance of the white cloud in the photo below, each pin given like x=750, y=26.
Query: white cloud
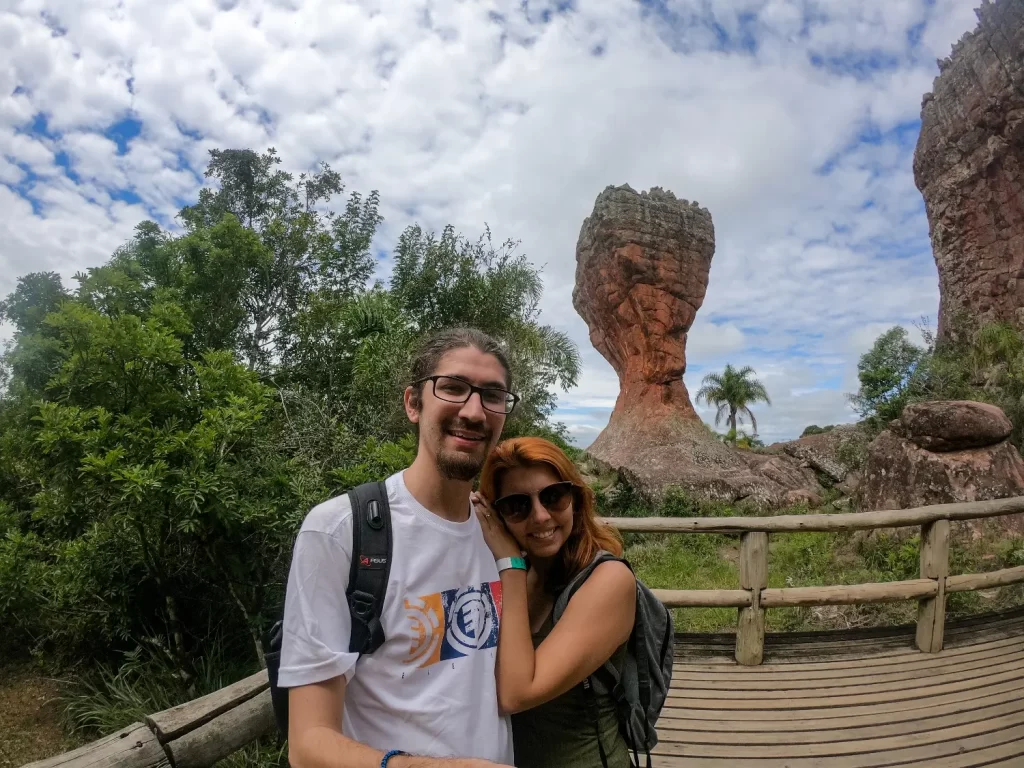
x=503, y=113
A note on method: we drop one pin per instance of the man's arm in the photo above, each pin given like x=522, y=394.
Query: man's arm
x=315, y=739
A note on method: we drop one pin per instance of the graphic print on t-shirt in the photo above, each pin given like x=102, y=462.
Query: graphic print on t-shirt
x=453, y=623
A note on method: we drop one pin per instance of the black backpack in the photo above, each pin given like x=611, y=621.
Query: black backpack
x=367, y=584
x=640, y=687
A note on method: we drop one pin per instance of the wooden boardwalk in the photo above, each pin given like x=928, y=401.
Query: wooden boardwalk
x=850, y=700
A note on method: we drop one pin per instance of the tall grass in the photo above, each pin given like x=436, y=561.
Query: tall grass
x=802, y=559
x=109, y=697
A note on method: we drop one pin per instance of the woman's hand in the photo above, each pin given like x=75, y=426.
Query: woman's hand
x=496, y=534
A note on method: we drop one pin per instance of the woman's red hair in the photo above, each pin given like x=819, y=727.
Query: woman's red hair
x=588, y=535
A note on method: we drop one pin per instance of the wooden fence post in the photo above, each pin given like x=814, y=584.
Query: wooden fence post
x=931, y=611
x=754, y=577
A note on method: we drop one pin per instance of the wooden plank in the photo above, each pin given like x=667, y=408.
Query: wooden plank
x=844, y=521
x=885, y=592
x=681, y=709
x=884, y=750
x=844, y=733
x=750, y=636
x=176, y=721
x=1007, y=755
x=133, y=746
x=792, y=691
x=753, y=560
x=227, y=733
x=815, y=680
x=853, y=661
x=753, y=567
x=703, y=598
x=829, y=646
x=931, y=611
x=792, y=700
x=673, y=719
x=969, y=582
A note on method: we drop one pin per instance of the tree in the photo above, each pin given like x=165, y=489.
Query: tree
x=184, y=406
x=733, y=392
x=360, y=349
x=36, y=295
x=282, y=248
x=814, y=429
x=890, y=374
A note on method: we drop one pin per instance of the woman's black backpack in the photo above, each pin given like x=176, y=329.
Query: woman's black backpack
x=367, y=584
x=640, y=687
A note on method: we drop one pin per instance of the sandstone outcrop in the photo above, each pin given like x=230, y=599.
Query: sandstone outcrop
x=829, y=453
x=953, y=425
x=642, y=265
x=969, y=166
x=899, y=473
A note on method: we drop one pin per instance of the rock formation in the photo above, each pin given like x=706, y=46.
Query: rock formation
x=828, y=453
x=953, y=425
x=969, y=458
x=642, y=264
x=969, y=165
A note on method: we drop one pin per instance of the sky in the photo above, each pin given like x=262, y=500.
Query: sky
x=793, y=121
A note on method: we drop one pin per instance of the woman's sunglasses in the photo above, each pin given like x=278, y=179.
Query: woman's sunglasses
x=516, y=507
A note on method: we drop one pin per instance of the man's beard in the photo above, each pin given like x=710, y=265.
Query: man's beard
x=456, y=465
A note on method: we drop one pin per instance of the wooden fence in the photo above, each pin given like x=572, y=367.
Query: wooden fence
x=199, y=733
x=754, y=596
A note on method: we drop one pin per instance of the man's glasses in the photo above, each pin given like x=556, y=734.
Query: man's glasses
x=455, y=390
x=516, y=507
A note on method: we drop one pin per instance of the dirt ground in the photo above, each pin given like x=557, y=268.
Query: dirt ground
x=30, y=722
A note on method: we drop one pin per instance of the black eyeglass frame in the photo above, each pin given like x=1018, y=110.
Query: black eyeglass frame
x=473, y=388
x=573, y=490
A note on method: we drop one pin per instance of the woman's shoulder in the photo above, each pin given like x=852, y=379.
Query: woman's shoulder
x=610, y=580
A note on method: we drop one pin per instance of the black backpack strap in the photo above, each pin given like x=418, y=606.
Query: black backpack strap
x=371, y=565
x=592, y=711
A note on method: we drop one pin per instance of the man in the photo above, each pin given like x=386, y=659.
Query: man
x=429, y=691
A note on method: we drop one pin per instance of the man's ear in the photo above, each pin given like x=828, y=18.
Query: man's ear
x=412, y=400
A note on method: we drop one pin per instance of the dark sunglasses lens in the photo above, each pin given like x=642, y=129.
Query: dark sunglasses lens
x=514, y=508
x=556, y=497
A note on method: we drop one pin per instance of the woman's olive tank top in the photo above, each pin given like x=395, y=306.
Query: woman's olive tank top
x=560, y=733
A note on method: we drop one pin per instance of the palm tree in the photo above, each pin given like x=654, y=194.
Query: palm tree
x=733, y=392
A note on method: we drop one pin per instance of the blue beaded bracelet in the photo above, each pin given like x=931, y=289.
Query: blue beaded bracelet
x=388, y=756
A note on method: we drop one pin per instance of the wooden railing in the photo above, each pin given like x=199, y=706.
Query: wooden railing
x=198, y=733
x=754, y=596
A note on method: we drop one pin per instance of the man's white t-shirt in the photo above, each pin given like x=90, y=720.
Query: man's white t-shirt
x=430, y=688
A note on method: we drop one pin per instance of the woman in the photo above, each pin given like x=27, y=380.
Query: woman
x=533, y=501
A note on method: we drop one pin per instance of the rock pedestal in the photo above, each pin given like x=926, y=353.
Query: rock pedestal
x=969, y=166
x=953, y=425
x=900, y=473
x=642, y=265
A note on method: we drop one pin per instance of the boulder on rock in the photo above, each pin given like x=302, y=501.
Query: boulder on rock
x=953, y=425
x=642, y=265
x=900, y=473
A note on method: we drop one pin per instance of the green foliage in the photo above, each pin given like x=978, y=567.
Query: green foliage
x=985, y=363
x=892, y=555
x=733, y=392
x=165, y=426
x=889, y=377
x=740, y=439
x=814, y=429
x=145, y=680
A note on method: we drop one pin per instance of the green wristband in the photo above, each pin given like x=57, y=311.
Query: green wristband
x=505, y=563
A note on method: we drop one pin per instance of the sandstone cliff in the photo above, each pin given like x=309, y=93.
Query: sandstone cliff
x=969, y=165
